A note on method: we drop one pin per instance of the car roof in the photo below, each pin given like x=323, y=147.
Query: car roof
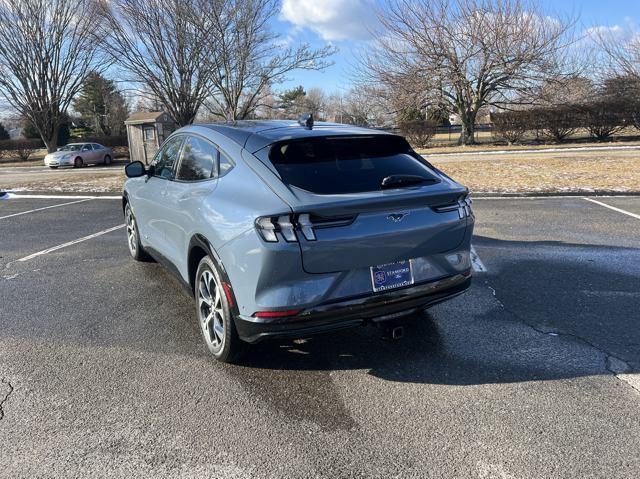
x=254, y=135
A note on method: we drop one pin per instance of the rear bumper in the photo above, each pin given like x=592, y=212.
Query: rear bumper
x=352, y=312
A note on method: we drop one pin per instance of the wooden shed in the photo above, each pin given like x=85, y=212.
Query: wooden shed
x=145, y=133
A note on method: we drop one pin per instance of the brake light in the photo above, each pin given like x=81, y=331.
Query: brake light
x=462, y=205
x=289, y=226
x=276, y=314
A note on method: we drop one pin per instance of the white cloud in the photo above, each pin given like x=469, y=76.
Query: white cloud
x=331, y=19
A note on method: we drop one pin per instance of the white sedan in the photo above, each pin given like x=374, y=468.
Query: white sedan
x=79, y=154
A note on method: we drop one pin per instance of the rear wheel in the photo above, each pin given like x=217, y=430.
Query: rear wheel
x=214, y=314
x=77, y=163
x=133, y=237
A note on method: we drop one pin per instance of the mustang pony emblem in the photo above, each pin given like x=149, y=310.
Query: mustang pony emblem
x=397, y=217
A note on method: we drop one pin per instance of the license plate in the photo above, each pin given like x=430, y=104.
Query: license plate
x=391, y=276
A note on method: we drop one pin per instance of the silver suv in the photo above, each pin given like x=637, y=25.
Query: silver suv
x=285, y=229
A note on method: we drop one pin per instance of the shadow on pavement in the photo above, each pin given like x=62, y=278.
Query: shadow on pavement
x=554, y=315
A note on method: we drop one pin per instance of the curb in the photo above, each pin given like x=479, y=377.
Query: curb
x=550, y=194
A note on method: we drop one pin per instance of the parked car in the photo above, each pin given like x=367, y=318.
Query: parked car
x=280, y=229
x=79, y=154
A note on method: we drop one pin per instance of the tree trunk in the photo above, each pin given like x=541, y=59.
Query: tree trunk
x=467, y=134
x=51, y=143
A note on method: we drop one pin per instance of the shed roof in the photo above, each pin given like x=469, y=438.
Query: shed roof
x=147, y=117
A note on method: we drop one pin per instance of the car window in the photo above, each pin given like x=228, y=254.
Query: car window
x=96, y=146
x=225, y=165
x=198, y=160
x=86, y=147
x=343, y=165
x=70, y=148
x=167, y=157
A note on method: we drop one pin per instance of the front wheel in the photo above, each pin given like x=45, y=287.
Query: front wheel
x=133, y=236
x=214, y=314
x=53, y=167
x=107, y=160
x=77, y=163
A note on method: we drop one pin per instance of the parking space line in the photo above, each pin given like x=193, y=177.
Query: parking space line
x=44, y=208
x=64, y=245
x=62, y=197
x=624, y=212
x=476, y=262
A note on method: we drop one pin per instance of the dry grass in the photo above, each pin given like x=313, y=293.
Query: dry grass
x=546, y=172
x=68, y=181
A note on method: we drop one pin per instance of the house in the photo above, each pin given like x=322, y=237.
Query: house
x=145, y=133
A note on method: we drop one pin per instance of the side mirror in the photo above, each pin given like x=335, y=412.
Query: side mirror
x=134, y=170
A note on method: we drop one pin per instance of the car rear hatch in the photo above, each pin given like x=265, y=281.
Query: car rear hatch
x=347, y=218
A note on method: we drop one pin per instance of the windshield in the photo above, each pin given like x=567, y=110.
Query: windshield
x=71, y=148
x=343, y=165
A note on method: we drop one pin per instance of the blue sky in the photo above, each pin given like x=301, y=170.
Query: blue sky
x=345, y=24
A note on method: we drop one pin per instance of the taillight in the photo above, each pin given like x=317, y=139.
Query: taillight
x=289, y=226
x=462, y=205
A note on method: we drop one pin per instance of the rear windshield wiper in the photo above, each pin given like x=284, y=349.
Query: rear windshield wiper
x=396, y=181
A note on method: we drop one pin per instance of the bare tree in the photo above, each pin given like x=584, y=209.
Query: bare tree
x=251, y=57
x=168, y=47
x=357, y=107
x=315, y=102
x=465, y=55
x=46, y=52
x=622, y=51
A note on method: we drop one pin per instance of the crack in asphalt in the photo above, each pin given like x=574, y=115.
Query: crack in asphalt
x=616, y=366
x=6, y=396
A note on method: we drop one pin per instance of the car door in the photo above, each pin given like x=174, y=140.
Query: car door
x=98, y=153
x=149, y=204
x=87, y=154
x=196, y=178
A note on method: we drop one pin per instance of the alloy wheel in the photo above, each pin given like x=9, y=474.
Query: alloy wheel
x=132, y=232
x=210, y=309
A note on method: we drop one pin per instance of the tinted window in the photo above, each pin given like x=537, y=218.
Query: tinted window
x=225, y=164
x=86, y=147
x=96, y=146
x=198, y=160
x=341, y=165
x=166, y=157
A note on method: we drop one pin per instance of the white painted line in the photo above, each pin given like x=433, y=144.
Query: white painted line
x=624, y=212
x=43, y=208
x=63, y=197
x=476, y=262
x=64, y=245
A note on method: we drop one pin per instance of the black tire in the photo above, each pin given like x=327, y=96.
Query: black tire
x=77, y=163
x=224, y=345
x=136, y=250
x=107, y=160
x=53, y=167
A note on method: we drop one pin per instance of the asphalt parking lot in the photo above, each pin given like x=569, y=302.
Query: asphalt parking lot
x=531, y=374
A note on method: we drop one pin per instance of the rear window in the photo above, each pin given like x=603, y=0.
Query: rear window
x=342, y=165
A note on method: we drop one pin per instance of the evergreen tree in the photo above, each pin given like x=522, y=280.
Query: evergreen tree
x=4, y=134
x=101, y=105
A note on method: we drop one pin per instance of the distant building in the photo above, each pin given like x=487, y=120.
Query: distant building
x=146, y=131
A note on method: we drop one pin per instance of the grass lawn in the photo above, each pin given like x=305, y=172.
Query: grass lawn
x=583, y=171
